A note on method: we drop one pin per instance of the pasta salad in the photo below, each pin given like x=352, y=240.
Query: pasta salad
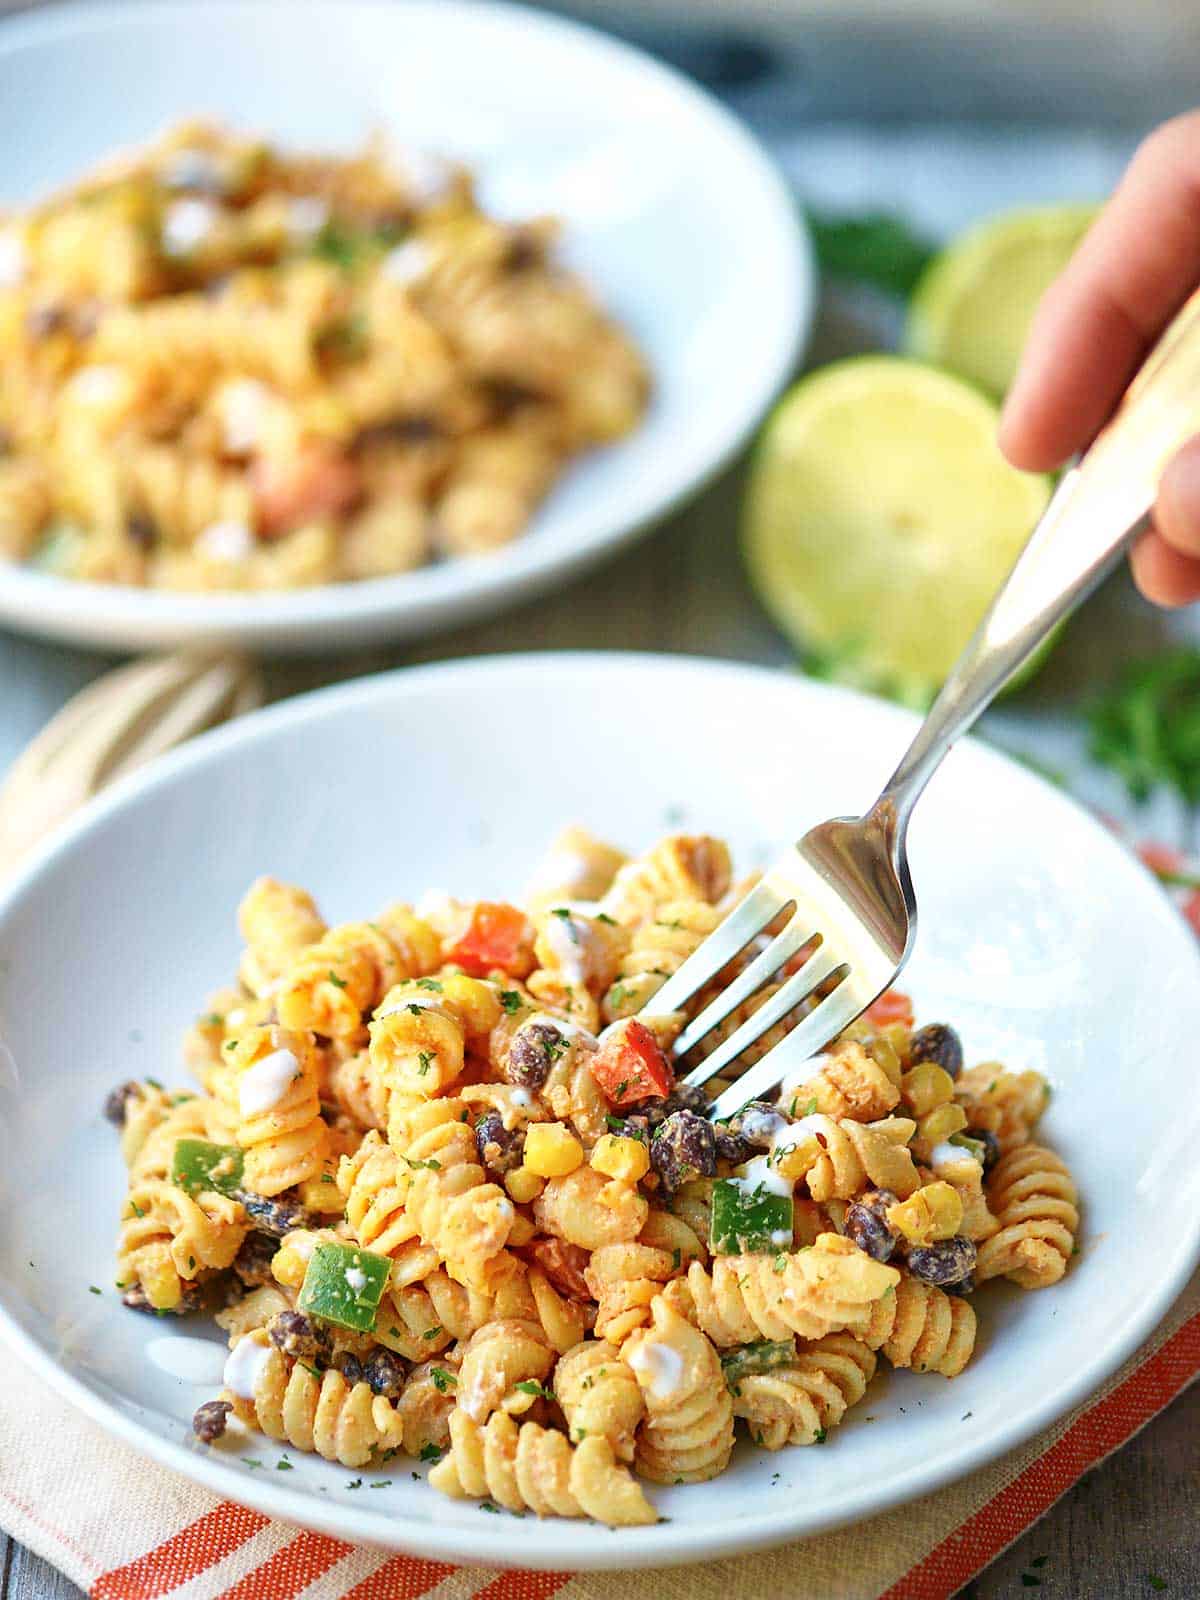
x=443, y=1193
x=226, y=366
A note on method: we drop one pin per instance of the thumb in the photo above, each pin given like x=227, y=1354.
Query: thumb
x=1166, y=563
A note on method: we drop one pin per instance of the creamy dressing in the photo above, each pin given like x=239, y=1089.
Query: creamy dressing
x=243, y=404
x=781, y=1237
x=764, y=1171
x=407, y=262
x=306, y=214
x=760, y=1174
x=262, y=1086
x=13, y=258
x=191, y=1360
x=569, y=1030
x=226, y=541
x=356, y=1278
x=246, y=1364
x=96, y=385
x=427, y=176
x=569, y=938
x=522, y=1099
x=949, y=1155
x=301, y=1244
x=802, y=1075
x=185, y=224
x=659, y=1369
x=423, y=1002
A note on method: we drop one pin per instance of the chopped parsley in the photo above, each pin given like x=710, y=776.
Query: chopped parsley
x=92, y=1289
x=338, y=983
x=486, y=1505
x=425, y=1059
x=431, y=1452
x=510, y=1002
x=283, y=1466
x=429, y=983
x=538, y=1390
x=356, y=1484
x=432, y=1333
x=442, y=1380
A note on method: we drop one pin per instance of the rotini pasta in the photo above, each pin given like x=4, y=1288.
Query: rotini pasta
x=226, y=367
x=438, y=1214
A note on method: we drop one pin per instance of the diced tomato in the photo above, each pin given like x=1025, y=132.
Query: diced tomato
x=1191, y=911
x=496, y=936
x=563, y=1264
x=1161, y=859
x=892, y=1006
x=629, y=1065
x=288, y=492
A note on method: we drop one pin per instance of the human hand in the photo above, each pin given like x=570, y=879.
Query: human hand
x=1137, y=265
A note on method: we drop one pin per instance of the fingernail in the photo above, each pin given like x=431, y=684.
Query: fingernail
x=1177, y=510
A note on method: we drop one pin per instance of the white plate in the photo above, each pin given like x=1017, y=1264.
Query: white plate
x=1044, y=941
x=671, y=210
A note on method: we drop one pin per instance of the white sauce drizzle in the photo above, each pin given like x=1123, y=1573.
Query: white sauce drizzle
x=801, y=1075
x=569, y=1030
x=262, y=1086
x=243, y=404
x=659, y=1369
x=522, y=1099
x=423, y=1002
x=306, y=214
x=96, y=385
x=198, y=1361
x=185, y=224
x=356, y=1278
x=569, y=939
x=407, y=262
x=226, y=541
x=949, y=1155
x=13, y=258
x=245, y=1365
x=760, y=1174
x=781, y=1237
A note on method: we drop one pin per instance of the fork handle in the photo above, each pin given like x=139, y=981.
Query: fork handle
x=1100, y=508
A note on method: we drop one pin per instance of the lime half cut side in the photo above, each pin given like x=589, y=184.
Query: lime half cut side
x=973, y=305
x=881, y=519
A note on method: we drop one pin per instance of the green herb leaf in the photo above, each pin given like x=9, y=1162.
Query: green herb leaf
x=531, y=1386
x=1147, y=727
x=510, y=1000
x=431, y=1452
x=874, y=247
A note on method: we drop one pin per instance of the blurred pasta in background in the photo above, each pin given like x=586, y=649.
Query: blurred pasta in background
x=226, y=367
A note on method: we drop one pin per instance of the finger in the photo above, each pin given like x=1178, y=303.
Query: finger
x=1164, y=574
x=1177, y=508
x=1136, y=266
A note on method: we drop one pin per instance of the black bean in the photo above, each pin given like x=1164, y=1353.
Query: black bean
x=534, y=1049
x=683, y=1097
x=305, y=1338
x=938, y=1043
x=397, y=430
x=142, y=530
x=867, y=1225
x=500, y=1149
x=43, y=321
x=277, y=1214
x=683, y=1147
x=963, y=1287
x=252, y=1264
x=350, y=1367
x=524, y=250
x=750, y=1129
x=385, y=1373
x=192, y=1299
x=116, y=1106
x=209, y=1422
x=943, y=1262
x=990, y=1143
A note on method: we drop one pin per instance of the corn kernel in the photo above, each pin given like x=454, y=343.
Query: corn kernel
x=322, y=1193
x=926, y=1087
x=932, y=1212
x=940, y=1124
x=523, y=1185
x=523, y=1231
x=552, y=1150
x=618, y=1156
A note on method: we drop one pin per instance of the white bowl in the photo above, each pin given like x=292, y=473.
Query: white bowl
x=1041, y=938
x=671, y=210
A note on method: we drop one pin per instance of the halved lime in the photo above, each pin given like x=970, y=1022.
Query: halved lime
x=881, y=518
x=972, y=307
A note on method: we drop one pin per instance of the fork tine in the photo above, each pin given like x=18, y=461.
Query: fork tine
x=815, y=970
x=810, y=1035
x=749, y=917
x=794, y=937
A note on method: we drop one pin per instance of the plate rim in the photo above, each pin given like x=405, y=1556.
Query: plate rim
x=428, y=599
x=665, y=1544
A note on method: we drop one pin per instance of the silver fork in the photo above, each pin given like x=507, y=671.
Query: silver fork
x=847, y=883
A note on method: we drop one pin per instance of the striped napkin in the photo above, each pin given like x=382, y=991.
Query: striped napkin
x=125, y=1529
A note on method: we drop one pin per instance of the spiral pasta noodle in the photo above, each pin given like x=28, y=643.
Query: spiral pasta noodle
x=922, y=1327
x=687, y=1436
x=658, y=949
x=1033, y=1197
x=831, y=1287
x=799, y=1401
x=333, y=984
x=600, y=1396
x=525, y=1467
x=858, y=1155
x=168, y=1239
x=849, y=1085
x=624, y=1280
x=420, y=1033
x=679, y=868
x=322, y=1413
x=277, y=921
x=285, y=1141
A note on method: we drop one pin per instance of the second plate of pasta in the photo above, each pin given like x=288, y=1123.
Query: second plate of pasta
x=424, y=332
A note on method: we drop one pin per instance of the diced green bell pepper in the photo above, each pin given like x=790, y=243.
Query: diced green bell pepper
x=762, y=1357
x=344, y=1284
x=198, y=1165
x=748, y=1221
x=974, y=1147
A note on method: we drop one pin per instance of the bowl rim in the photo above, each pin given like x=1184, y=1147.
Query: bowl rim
x=431, y=597
x=665, y=1544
